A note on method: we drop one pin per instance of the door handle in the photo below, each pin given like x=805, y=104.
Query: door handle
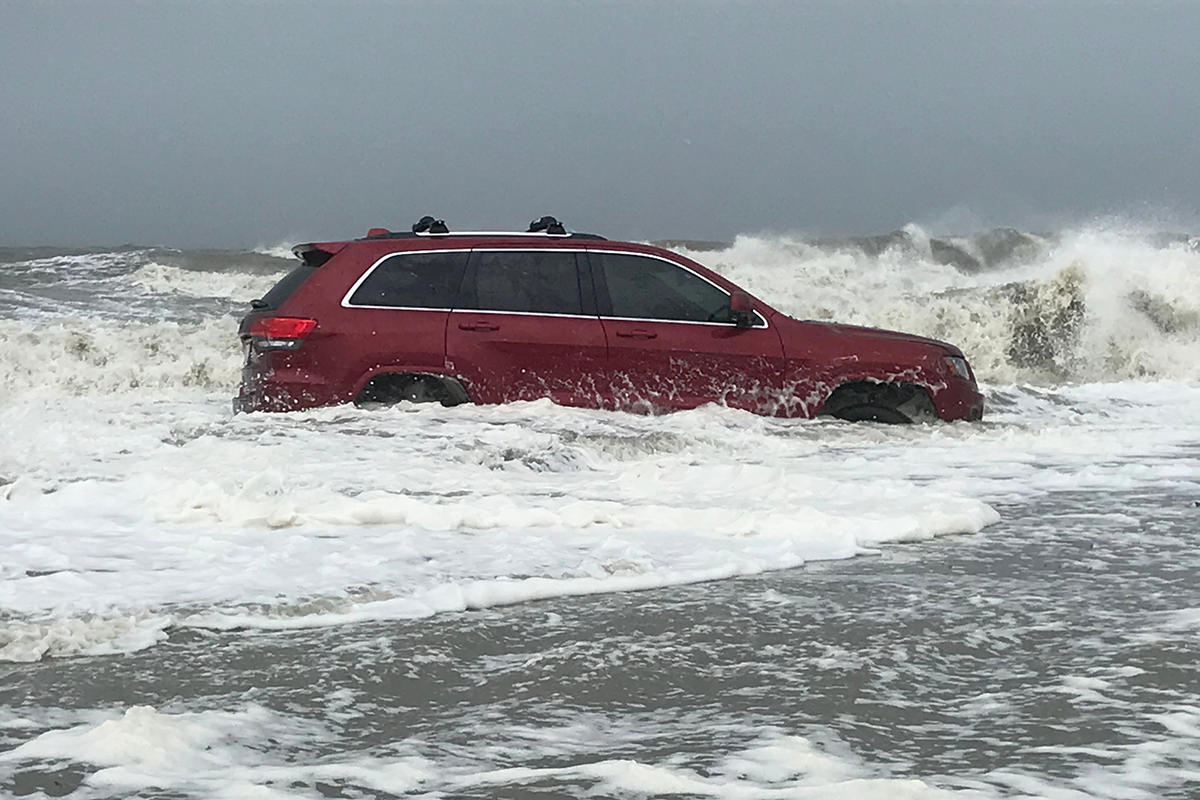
x=478, y=326
x=638, y=333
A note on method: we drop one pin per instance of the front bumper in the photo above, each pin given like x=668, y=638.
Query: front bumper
x=959, y=401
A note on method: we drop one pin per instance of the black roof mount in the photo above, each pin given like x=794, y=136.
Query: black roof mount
x=549, y=225
x=428, y=224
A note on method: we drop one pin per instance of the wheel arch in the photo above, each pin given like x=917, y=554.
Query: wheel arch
x=390, y=385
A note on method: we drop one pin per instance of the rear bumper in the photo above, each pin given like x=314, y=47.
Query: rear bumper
x=284, y=380
x=285, y=395
x=276, y=399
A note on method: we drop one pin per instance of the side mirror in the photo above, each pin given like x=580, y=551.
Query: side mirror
x=741, y=308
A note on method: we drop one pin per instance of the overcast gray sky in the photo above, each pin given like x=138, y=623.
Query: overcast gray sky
x=235, y=124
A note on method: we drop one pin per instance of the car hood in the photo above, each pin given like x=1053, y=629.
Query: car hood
x=863, y=332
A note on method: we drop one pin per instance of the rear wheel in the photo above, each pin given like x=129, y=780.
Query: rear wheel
x=393, y=388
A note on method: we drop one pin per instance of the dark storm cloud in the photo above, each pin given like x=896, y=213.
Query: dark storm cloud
x=233, y=123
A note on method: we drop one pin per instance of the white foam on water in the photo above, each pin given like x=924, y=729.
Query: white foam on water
x=256, y=752
x=1166, y=759
x=165, y=280
x=26, y=641
x=1185, y=619
x=624, y=777
x=73, y=356
x=174, y=509
x=341, y=515
x=83, y=265
x=282, y=250
x=213, y=753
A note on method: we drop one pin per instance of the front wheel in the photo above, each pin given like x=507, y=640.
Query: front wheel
x=891, y=403
x=918, y=408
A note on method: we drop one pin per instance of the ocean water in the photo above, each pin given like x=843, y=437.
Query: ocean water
x=536, y=601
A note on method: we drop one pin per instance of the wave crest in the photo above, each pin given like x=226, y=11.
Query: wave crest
x=88, y=356
x=1077, y=307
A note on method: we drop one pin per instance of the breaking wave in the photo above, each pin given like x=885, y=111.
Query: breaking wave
x=79, y=357
x=1081, y=306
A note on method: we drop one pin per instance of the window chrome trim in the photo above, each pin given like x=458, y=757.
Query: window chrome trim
x=519, y=313
x=529, y=249
x=350, y=293
x=755, y=327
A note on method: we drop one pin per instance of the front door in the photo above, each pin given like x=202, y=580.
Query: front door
x=672, y=342
x=525, y=329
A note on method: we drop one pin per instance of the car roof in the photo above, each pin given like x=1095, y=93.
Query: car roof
x=316, y=253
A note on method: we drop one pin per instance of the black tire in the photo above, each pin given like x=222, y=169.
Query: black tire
x=388, y=390
x=869, y=413
x=889, y=403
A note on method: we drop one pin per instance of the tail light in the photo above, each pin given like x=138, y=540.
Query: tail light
x=281, y=333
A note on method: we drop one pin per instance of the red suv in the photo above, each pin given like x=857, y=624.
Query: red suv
x=431, y=315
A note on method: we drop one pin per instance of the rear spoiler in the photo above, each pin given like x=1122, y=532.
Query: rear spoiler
x=314, y=254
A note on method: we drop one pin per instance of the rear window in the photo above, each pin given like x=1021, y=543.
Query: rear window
x=413, y=280
x=287, y=284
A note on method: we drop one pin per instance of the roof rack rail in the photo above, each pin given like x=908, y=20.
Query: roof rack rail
x=548, y=225
x=431, y=226
x=428, y=224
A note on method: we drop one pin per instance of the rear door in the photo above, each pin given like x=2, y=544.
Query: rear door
x=526, y=327
x=672, y=342
x=393, y=318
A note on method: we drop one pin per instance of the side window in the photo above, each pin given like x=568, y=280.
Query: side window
x=544, y=282
x=413, y=280
x=647, y=288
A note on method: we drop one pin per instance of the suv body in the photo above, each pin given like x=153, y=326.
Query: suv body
x=497, y=317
